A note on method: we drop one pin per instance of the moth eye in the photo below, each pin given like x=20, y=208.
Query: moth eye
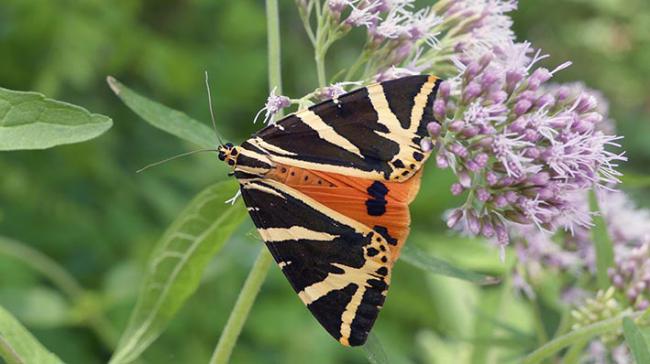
x=222, y=156
x=229, y=145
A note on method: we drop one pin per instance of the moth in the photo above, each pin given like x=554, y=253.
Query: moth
x=328, y=189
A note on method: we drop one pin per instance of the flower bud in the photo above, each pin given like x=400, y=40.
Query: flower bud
x=492, y=178
x=513, y=77
x=546, y=100
x=464, y=179
x=456, y=125
x=441, y=161
x=469, y=131
x=473, y=223
x=487, y=228
x=439, y=109
x=454, y=217
x=433, y=128
x=456, y=189
x=483, y=195
x=472, y=91
x=498, y=97
x=481, y=160
x=444, y=90
x=522, y=107
x=426, y=144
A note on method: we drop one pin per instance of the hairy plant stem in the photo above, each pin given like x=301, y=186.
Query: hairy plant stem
x=540, y=330
x=320, y=69
x=260, y=269
x=578, y=336
x=65, y=282
x=242, y=307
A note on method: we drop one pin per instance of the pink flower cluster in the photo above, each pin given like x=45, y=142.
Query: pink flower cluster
x=520, y=151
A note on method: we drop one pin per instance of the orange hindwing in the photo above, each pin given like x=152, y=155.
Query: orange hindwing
x=382, y=206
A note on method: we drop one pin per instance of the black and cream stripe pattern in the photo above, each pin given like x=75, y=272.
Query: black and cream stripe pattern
x=338, y=267
x=373, y=132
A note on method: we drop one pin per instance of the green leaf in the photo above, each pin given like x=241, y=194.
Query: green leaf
x=29, y=120
x=162, y=117
x=37, y=306
x=636, y=341
x=176, y=266
x=18, y=346
x=422, y=260
x=375, y=350
x=602, y=244
x=634, y=180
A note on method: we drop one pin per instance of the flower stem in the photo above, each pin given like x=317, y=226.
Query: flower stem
x=581, y=335
x=540, y=330
x=321, y=45
x=42, y=264
x=273, y=39
x=242, y=308
x=602, y=243
x=260, y=269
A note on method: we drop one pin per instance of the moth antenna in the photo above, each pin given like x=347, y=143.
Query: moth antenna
x=214, y=124
x=173, y=157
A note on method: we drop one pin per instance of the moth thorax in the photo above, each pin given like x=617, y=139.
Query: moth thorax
x=229, y=154
x=244, y=160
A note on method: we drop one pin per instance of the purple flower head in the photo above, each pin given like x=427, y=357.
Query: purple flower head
x=520, y=150
x=337, y=6
x=333, y=90
x=362, y=14
x=274, y=103
x=421, y=25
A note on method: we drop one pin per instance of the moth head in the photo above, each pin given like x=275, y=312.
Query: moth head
x=228, y=153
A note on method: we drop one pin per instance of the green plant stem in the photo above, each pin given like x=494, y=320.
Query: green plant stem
x=260, y=269
x=41, y=263
x=602, y=244
x=242, y=308
x=574, y=353
x=320, y=68
x=577, y=336
x=7, y=353
x=540, y=330
x=274, y=50
x=63, y=280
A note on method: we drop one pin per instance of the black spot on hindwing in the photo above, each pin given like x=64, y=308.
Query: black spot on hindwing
x=384, y=232
x=310, y=261
x=376, y=203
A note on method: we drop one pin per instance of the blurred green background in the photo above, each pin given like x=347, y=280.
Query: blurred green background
x=84, y=206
